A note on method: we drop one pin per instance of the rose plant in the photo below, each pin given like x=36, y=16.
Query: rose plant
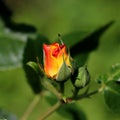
x=51, y=71
x=58, y=68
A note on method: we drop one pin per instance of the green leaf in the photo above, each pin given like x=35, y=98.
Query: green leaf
x=7, y=116
x=113, y=75
x=115, y=72
x=74, y=37
x=115, y=68
x=11, y=52
x=12, y=47
x=34, y=65
x=1, y=25
x=89, y=42
x=112, y=95
x=12, y=44
x=81, y=43
x=6, y=15
x=102, y=78
x=32, y=50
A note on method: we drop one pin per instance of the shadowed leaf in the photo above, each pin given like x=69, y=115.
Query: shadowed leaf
x=82, y=43
x=112, y=95
x=6, y=15
x=90, y=42
x=72, y=112
x=83, y=48
x=32, y=50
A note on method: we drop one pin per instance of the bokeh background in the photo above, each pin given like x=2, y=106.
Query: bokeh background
x=51, y=17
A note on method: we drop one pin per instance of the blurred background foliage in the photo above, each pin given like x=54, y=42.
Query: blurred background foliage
x=53, y=17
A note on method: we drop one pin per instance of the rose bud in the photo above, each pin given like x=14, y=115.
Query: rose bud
x=57, y=63
x=83, y=77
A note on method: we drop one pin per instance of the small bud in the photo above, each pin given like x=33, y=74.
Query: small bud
x=82, y=78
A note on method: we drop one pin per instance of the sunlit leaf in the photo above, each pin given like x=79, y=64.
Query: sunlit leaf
x=102, y=78
x=12, y=47
x=7, y=116
x=115, y=72
x=11, y=52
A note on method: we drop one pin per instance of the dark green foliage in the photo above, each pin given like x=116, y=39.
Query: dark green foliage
x=72, y=112
x=32, y=50
x=112, y=95
x=81, y=44
x=90, y=42
x=6, y=15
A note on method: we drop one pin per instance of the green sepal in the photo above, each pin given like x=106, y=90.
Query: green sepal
x=82, y=78
x=73, y=64
x=35, y=67
x=64, y=72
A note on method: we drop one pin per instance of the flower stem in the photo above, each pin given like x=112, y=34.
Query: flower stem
x=62, y=87
x=50, y=111
x=51, y=88
x=30, y=107
x=75, y=92
x=90, y=94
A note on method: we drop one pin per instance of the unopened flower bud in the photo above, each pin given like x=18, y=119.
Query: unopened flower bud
x=57, y=63
x=82, y=78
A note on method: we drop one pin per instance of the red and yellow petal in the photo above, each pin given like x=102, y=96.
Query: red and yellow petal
x=54, y=55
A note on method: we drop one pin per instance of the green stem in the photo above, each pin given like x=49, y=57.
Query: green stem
x=62, y=87
x=50, y=111
x=90, y=94
x=30, y=108
x=75, y=92
x=51, y=88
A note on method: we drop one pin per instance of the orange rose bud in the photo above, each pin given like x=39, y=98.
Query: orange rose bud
x=55, y=56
